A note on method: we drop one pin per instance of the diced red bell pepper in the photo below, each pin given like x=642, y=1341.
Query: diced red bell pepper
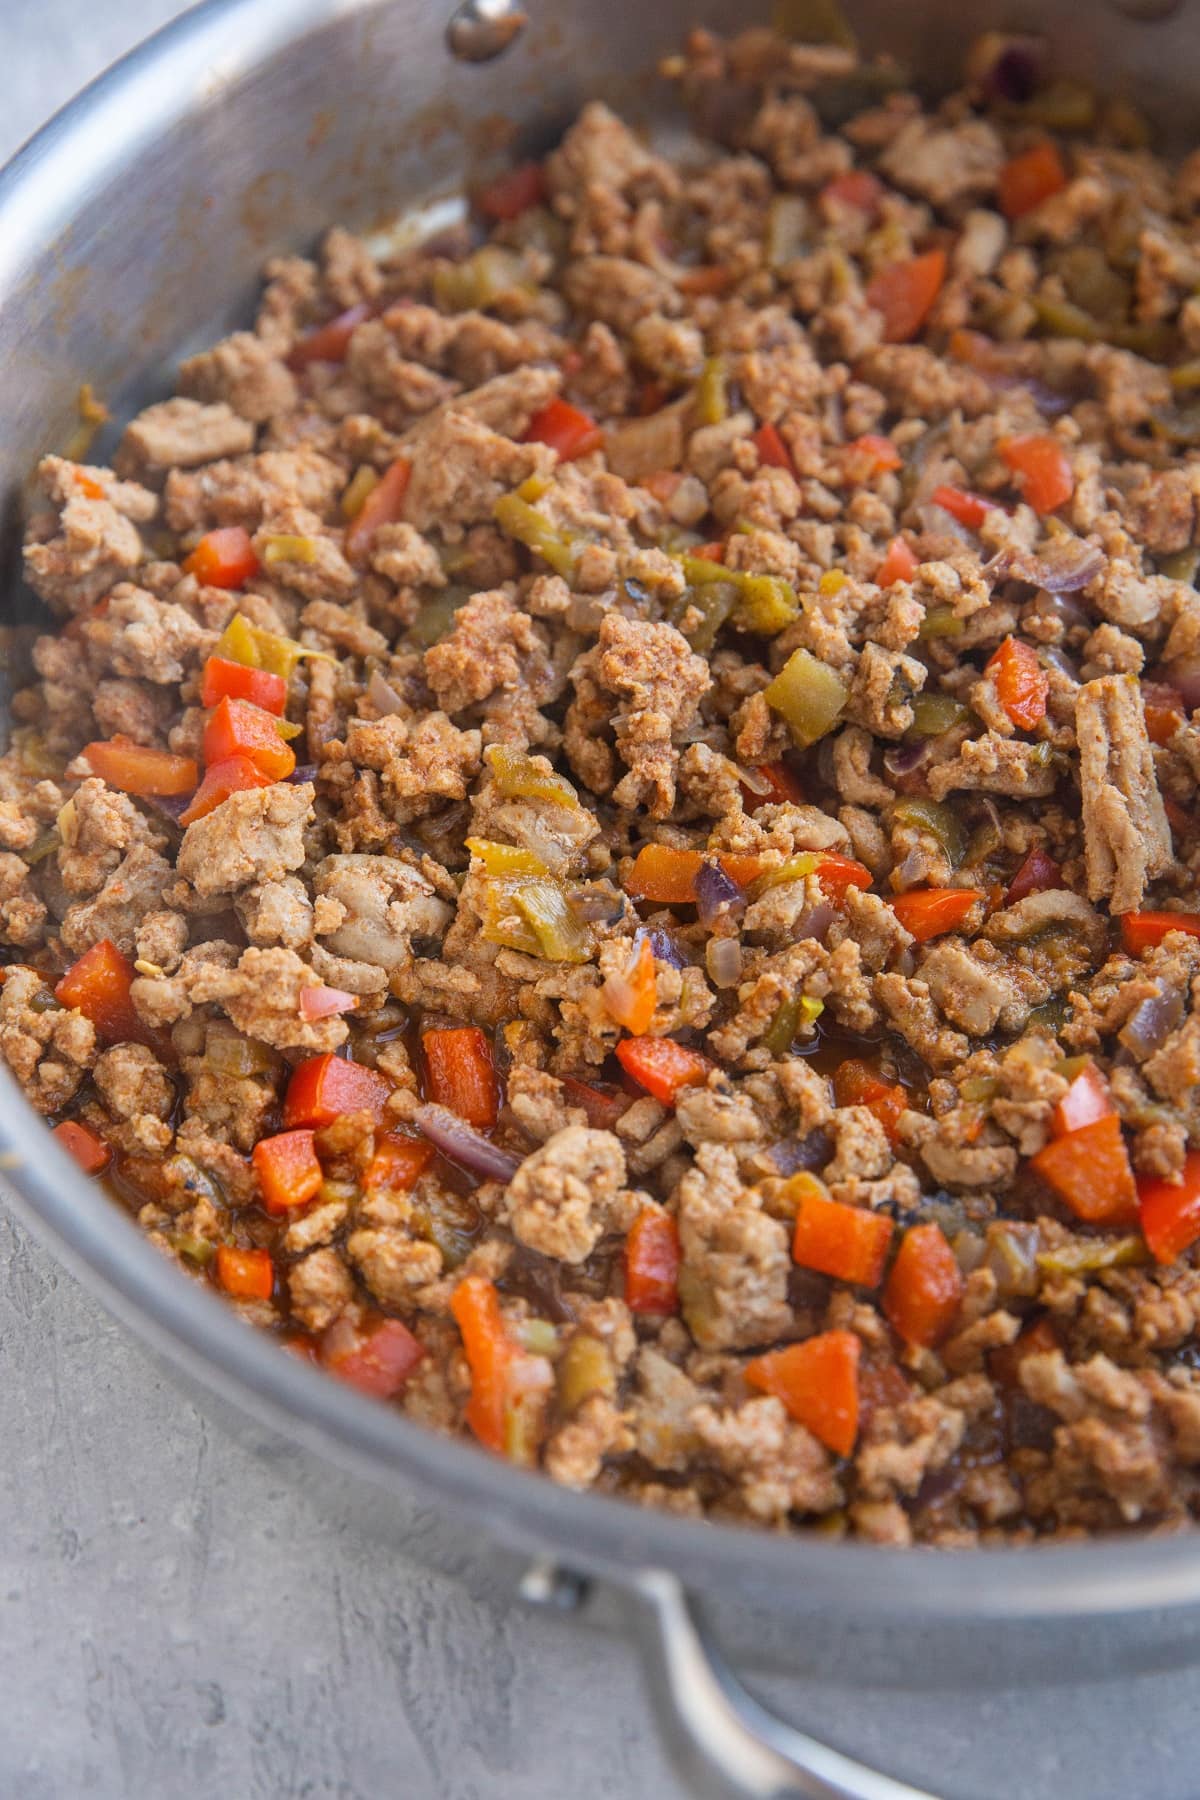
x=475, y=1305
x=870, y=455
x=1029, y=179
x=329, y=342
x=969, y=509
x=1170, y=1211
x=245, y=1274
x=233, y=776
x=817, y=1381
x=513, y=193
x=1004, y=1363
x=705, y=278
x=1089, y=1169
x=288, y=1171
x=773, y=453
x=848, y=1242
x=880, y=1385
x=377, y=1361
x=136, y=769
x=662, y=1066
x=857, y=188
x=899, y=564
x=86, y=1146
x=904, y=293
x=857, y=1084
x=779, y=787
x=460, y=1074
x=397, y=1163
x=836, y=873
x=98, y=985
x=924, y=1288
x=1085, y=1101
x=234, y=681
x=384, y=505
x=1021, y=683
x=568, y=431
x=1042, y=467
x=238, y=728
x=603, y=1105
x=223, y=558
x=1036, y=874
x=928, y=912
x=1146, y=930
x=1165, y=710
x=664, y=874
x=652, y=1263
x=323, y=1088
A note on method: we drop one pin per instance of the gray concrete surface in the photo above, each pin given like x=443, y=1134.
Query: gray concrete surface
x=177, y=1623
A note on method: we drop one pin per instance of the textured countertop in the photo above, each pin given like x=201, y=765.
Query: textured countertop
x=179, y=1623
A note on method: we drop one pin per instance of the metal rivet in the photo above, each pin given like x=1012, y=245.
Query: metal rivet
x=545, y=1584
x=483, y=29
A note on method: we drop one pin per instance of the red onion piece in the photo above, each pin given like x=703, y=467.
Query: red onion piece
x=716, y=892
x=1152, y=1021
x=322, y=1002
x=383, y=696
x=169, y=806
x=303, y=772
x=795, y=1154
x=1184, y=676
x=662, y=945
x=1061, y=565
x=460, y=1143
x=904, y=759
x=815, y=922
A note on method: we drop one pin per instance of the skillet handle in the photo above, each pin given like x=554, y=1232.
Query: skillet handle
x=725, y=1743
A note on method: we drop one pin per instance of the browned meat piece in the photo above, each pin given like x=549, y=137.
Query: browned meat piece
x=1126, y=835
x=253, y=836
x=566, y=1195
x=244, y=373
x=658, y=682
x=734, y=1274
x=48, y=1049
x=181, y=434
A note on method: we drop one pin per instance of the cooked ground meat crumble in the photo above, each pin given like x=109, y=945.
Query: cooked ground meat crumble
x=605, y=836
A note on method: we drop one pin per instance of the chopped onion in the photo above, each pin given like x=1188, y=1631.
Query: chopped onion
x=302, y=772
x=723, y=956
x=383, y=696
x=716, y=892
x=1152, y=1021
x=1061, y=565
x=905, y=759
x=322, y=1002
x=795, y=1154
x=169, y=806
x=598, y=905
x=1184, y=676
x=663, y=946
x=814, y=923
x=460, y=1143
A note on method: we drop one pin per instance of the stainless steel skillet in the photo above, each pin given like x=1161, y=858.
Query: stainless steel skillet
x=133, y=228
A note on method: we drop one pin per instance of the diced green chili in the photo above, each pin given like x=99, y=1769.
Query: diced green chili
x=767, y=606
x=809, y=695
x=941, y=622
x=701, y=611
x=935, y=713
x=534, y=530
x=1086, y=1256
x=586, y=1369
x=938, y=819
x=712, y=392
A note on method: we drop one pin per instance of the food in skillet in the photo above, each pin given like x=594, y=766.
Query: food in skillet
x=606, y=839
